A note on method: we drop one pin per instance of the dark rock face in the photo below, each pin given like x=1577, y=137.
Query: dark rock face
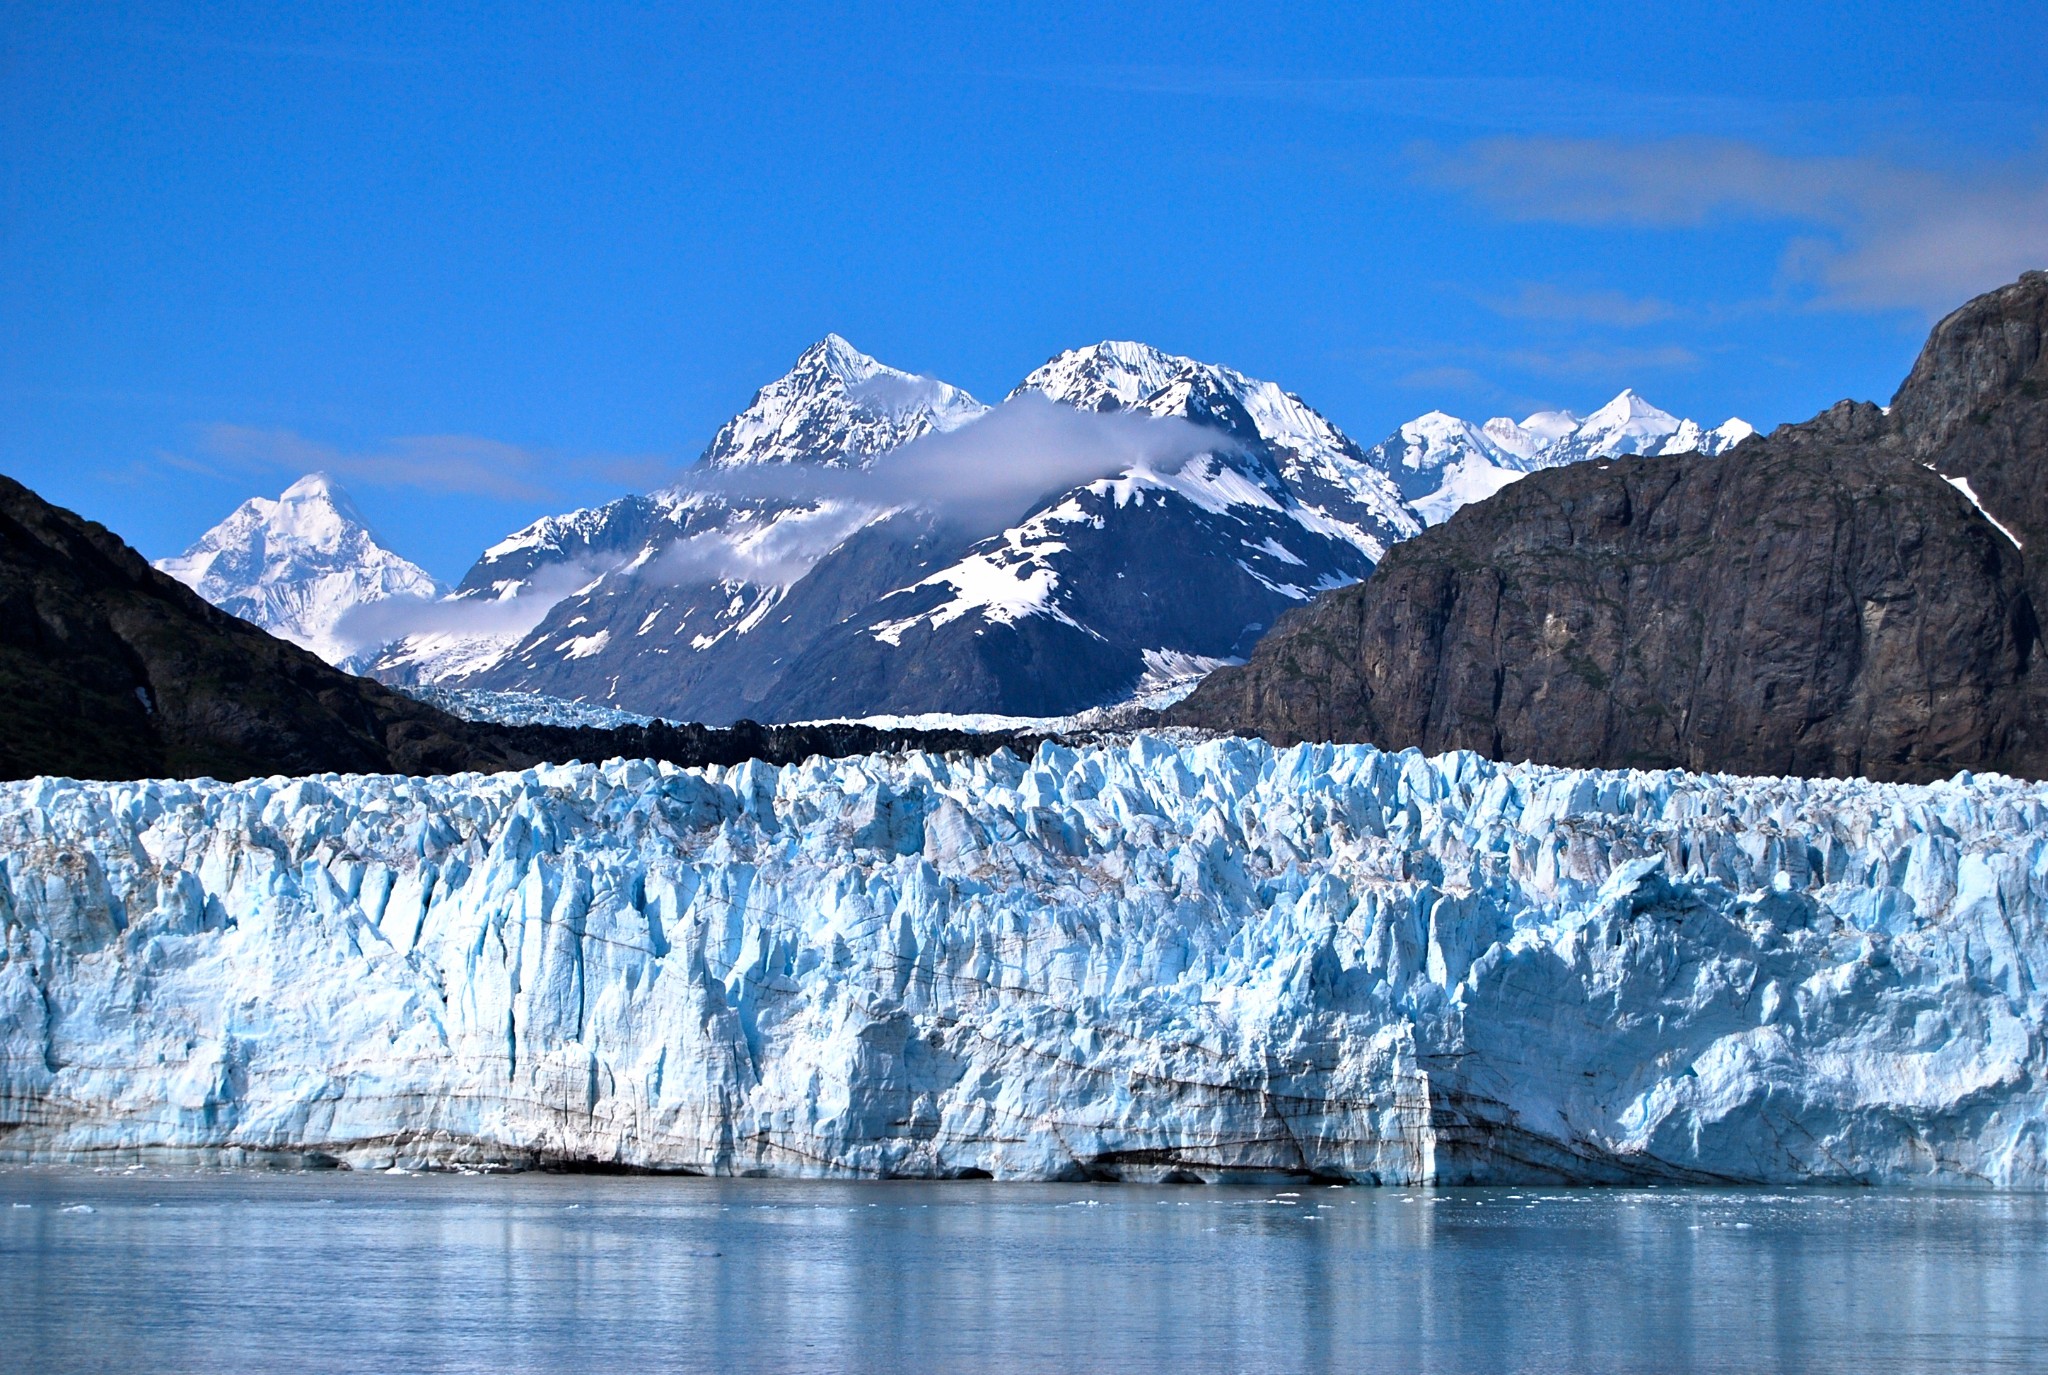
x=1823, y=601
x=1975, y=407
x=110, y=669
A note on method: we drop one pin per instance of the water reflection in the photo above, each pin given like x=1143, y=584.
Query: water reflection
x=348, y=1272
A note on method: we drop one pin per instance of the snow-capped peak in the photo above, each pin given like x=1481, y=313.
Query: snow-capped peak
x=1628, y=424
x=1116, y=374
x=1544, y=427
x=1435, y=429
x=317, y=497
x=837, y=407
x=296, y=565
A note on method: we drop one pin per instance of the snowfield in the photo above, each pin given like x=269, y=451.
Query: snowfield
x=1213, y=961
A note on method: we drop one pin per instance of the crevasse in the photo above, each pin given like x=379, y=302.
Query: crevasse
x=1146, y=960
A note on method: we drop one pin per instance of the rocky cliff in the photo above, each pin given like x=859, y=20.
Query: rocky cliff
x=1848, y=596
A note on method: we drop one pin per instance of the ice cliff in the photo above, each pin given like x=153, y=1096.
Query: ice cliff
x=1140, y=961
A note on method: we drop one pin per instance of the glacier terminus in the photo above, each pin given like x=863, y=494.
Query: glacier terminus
x=1147, y=958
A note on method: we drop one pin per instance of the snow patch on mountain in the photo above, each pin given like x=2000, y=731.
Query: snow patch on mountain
x=1962, y=484
x=298, y=566
x=1142, y=961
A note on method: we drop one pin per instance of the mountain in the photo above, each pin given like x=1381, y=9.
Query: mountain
x=111, y=669
x=795, y=577
x=297, y=565
x=1085, y=599
x=1855, y=595
x=637, y=622
x=1334, y=486
x=1442, y=463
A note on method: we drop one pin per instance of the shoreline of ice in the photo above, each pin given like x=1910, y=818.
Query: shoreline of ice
x=1142, y=960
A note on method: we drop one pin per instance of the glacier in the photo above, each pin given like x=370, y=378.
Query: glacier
x=1138, y=959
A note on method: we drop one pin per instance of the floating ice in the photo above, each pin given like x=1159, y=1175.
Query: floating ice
x=1215, y=961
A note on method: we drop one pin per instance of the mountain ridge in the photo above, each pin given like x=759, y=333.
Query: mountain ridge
x=111, y=669
x=1442, y=462
x=893, y=609
x=784, y=576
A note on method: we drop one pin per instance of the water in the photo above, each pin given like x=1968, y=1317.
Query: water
x=315, y=1272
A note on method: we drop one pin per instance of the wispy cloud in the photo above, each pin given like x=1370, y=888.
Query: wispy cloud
x=394, y=618
x=1543, y=301
x=786, y=517
x=1596, y=360
x=459, y=464
x=1446, y=378
x=976, y=480
x=1867, y=232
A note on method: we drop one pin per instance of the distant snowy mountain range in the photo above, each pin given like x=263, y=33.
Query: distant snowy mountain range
x=863, y=540
x=1442, y=462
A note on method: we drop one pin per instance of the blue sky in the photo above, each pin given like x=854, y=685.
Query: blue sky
x=488, y=262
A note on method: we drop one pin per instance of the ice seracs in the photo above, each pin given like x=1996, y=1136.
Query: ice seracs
x=297, y=565
x=1141, y=961
x=1442, y=463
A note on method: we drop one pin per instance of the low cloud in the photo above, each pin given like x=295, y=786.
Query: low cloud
x=984, y=475
x=776, y=550
x=1870, y=233
x=466, y=465
x=380, y=622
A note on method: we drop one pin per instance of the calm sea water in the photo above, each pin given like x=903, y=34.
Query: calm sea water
x=316, y=1272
